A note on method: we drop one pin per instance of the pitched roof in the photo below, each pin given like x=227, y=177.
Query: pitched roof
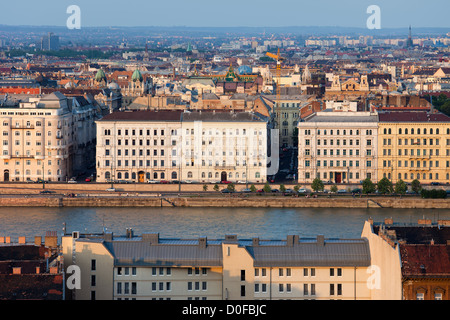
x=143, y=115
x=425, y=260
x=412, y=116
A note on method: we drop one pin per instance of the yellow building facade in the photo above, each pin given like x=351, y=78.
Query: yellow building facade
x=414, y=145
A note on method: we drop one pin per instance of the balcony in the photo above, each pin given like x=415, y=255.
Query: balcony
x=22, y=126
x=22, y=157
x=222, y=167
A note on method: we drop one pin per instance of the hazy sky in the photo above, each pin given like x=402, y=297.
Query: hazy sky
x=227, y=13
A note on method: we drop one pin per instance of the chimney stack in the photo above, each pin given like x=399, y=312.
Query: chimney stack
x=320, y=240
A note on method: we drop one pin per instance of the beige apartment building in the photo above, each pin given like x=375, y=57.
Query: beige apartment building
x=138, y=146
x=148, y=267
x=46, y=137
x=414, y=145
x=338, y=147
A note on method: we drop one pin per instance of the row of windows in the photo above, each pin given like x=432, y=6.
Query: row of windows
x=174, y=175
x=417, y=176
x=331, y=152
x=387, y=152
x=173, y=132
x=337, y=132
x=325, y=142
x=414, y=164
x=414, y=131
x=308, y=175
x=414, y=142
x=332, y=163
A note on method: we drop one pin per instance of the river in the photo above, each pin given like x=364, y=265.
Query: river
x=265, y=223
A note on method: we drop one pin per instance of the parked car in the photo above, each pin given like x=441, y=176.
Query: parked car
x=152, y=181
x=357, y=190
x=225, y=182
x=88, y=180
x=435, y=183
x=111, y=189
x=275, y=190
x=72, y=180
x=342, y=191
x=164, y=182
x=302, y=190
x=246, y=190
x=226, y=191
x=46, y=192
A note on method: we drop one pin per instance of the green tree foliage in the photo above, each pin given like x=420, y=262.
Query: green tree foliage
x=267, y=188
x=205, y=187
x=296, y=188
x=416, y=186
x=216, y=187
x=334, y=188
x=252, y=188
x=400, y=187
x=433, y=194
x=282, y=188
x=385, y=186
x=231, y=187
x=368, y=186
x=442, y=103
x=317, y=185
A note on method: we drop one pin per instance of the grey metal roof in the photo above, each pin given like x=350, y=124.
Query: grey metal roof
x=335, y=117
x=292, y=252
x=354, y=253
x=224, y=116
x=142, y=253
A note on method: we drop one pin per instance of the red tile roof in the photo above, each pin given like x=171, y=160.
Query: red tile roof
x=425, y=260
x=412, y=116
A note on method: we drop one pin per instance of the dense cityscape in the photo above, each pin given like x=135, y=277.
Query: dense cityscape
x=226, y=117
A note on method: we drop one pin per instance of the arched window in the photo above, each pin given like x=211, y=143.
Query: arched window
x=155, y=175
x=107, y=175
x=203, y=175
x=133, y=175
x=163, y=175
x=189, y=174
x=257, y=175
x=119, y=175
x=174, y=174
x=127, y=175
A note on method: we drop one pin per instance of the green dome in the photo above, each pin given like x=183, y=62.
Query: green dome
x=100, y=76
x=137, y=76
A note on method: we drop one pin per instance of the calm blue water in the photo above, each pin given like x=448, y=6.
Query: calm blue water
x=266, y=223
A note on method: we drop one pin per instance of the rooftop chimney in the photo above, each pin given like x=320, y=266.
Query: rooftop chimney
x=152, y=238
x=202, y=242
x=231, y=237
x=255, y=242
x=129, y=233
x=320, y=240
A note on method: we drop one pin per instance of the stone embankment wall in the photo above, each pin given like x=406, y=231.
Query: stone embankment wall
x=224, y=201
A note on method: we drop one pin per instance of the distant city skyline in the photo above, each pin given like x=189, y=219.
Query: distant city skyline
x=235, y=13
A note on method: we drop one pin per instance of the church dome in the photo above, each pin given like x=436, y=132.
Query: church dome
x=113, y=86
x=137, y=76
x=100, y=76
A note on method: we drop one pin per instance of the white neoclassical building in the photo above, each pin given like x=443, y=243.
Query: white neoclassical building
x=188, y=146
x=338, y=147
